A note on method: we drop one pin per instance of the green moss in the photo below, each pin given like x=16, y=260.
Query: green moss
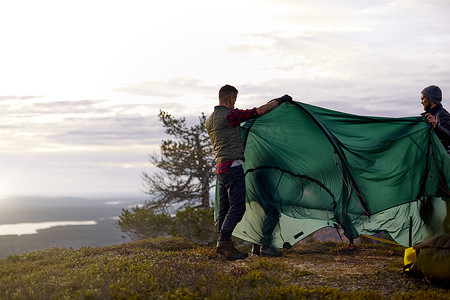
x=325, y=292
x=297, y=273
x=420, y=295
x=269, y=264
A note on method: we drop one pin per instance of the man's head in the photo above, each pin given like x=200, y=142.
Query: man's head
x=431, y=96
x=227, y=96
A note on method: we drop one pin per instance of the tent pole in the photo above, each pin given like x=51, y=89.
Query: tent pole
x=410, y=230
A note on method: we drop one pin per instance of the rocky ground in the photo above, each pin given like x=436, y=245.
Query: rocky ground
x=359, y=267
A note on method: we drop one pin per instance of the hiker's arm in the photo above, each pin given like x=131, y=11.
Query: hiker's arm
x=269, y=106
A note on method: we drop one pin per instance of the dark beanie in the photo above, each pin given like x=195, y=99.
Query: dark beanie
x=433, y=93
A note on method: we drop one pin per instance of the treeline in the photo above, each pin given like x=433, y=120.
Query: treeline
x=193, y=224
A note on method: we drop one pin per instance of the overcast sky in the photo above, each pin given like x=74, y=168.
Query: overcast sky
x=82, y=82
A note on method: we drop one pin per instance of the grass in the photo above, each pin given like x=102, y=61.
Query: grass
x=173, y=268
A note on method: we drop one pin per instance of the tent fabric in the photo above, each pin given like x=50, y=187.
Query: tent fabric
x=322, y=168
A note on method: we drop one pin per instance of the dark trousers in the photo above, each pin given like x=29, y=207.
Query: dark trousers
x=231, y=201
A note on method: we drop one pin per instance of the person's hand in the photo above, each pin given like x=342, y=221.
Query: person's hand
x=431, y=120
x=285, y=98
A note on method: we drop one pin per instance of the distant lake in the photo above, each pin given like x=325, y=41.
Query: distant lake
x=32, y=228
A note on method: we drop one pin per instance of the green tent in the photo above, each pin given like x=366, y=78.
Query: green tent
x=317, y=168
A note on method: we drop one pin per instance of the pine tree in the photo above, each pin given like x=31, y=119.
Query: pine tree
x=186, y=165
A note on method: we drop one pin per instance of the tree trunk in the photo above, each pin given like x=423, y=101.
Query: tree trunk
x=205, y=191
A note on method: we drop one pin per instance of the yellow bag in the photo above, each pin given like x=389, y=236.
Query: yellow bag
x=430, y=258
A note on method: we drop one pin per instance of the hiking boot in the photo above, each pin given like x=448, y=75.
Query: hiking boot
x=229, y=251
x=256, y=249
x=270, y=252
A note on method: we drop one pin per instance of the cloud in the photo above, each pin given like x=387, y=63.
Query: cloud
x=115, y=130
x=8, y=98
x=175, y=87
x=377, y=98
x=69, y=125
x=41, y=105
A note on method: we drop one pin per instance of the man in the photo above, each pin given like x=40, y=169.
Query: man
x=436, y=115
x=223, y=129
x=439, y=119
